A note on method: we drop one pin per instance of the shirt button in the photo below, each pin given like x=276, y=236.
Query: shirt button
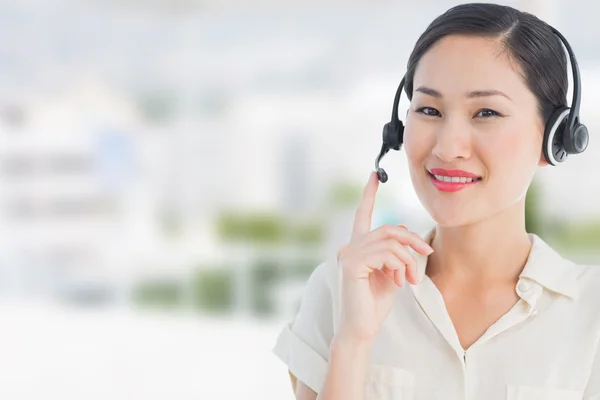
x=523, y=286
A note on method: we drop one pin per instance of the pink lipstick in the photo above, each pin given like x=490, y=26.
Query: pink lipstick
x=452, y=180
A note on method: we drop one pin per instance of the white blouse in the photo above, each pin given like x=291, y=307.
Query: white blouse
x=545, y=347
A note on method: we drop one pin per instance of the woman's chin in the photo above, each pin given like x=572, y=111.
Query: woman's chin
x=452, y=217
x=450, y=222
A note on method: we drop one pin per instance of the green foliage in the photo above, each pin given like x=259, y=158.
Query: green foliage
x=265, y=228
x=307, y=233
x=158, y=294
x=213, y=290
x=302, y=268
x=264, y=274
x=345, y=194
x=579, y=236
x=533, y=214
x=256, y=227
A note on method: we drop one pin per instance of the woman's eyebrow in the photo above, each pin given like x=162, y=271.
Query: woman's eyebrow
x=428, y=91
x=474, y=94
x=487, y=93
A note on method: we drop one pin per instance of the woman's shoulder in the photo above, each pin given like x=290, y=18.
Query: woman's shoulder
x=579, y=281
x=587, y=278
x=558, y=271
x=323, y=282
x=325, y=273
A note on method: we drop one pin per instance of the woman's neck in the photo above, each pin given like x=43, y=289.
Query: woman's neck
x=495, y=249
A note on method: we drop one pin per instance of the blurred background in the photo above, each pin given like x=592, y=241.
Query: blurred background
x=171, y=172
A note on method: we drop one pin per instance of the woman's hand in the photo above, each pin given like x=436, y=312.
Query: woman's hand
x=373, y=265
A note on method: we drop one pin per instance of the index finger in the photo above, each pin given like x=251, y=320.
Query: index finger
x=364, y=212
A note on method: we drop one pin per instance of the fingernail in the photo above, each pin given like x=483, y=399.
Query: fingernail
x=429, y=249
x=370, y=177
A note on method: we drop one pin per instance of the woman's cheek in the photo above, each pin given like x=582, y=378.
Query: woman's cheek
x=416, y=143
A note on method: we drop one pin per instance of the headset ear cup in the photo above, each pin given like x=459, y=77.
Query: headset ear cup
x=400, y=134
x=578, y=139
x=552, y=147
x=393, y=134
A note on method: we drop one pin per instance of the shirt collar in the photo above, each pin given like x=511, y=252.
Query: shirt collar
x=544, y=266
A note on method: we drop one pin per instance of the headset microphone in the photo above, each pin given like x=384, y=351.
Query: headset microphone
x=393, y=135
x=564, y=134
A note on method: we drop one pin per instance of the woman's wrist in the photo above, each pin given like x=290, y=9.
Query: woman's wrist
x=351, y=349
x=348, y=361
x=342, y=342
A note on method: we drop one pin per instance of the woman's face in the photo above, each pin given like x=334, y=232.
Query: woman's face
x=471, y=111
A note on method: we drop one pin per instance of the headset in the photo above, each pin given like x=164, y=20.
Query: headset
x=563, y=133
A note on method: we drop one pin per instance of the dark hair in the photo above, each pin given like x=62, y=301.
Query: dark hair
x=528, y=40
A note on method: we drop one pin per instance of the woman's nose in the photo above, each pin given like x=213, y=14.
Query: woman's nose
x=453, y=140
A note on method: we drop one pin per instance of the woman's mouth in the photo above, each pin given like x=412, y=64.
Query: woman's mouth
x=452, y=180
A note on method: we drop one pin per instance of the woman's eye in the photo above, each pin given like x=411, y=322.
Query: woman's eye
x=429, y=111
x=486, y=112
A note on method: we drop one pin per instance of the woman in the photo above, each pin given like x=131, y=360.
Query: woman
x=492, y=311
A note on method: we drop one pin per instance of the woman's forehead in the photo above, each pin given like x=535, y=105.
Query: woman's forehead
x=462, y=64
